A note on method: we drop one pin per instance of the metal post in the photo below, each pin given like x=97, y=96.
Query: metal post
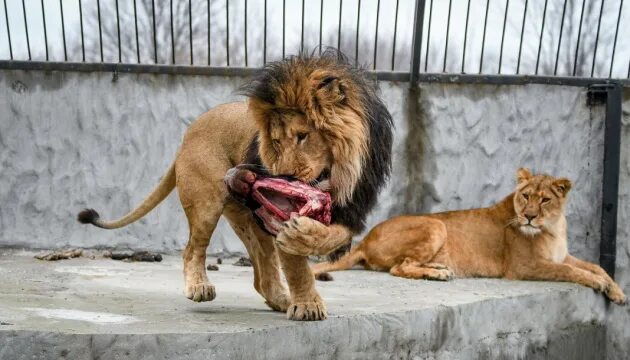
x=610, y=183
x=416, y=44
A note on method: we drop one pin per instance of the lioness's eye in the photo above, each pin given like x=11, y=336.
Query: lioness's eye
x=525, y=196
x=301, y=137
x=546, y=200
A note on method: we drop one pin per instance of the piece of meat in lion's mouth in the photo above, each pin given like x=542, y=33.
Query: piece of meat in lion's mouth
x=282, y=199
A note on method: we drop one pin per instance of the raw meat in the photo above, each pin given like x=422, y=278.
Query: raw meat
x=282, y=199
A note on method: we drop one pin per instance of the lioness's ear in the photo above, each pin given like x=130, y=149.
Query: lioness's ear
x=562, y=185
x=523, y=175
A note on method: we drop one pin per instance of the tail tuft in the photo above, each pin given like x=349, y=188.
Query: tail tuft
x=88, y=216
x=324, y=277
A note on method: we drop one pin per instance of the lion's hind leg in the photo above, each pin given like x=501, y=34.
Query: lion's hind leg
x=263, y=254
x=412, y=269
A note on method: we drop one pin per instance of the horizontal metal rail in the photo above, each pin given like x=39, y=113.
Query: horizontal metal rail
x=398, y=76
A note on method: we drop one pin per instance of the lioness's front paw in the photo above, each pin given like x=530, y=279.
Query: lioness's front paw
x=301, y=236
x=616, y=295
x=307, y=311
x=200, y=292
x=599, y=283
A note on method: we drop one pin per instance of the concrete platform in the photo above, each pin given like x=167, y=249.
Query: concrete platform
x=104, y=309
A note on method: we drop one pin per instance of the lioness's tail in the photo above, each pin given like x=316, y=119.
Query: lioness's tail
x=166, y=185
x=345, y=262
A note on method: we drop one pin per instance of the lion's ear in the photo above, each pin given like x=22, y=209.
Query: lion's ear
x=523, y=175
x=330, y=87
x=562, y=185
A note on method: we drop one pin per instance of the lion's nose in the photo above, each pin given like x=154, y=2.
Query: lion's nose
x=530, y=217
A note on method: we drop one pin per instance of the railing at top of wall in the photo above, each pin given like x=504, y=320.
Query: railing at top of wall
x=562, y=41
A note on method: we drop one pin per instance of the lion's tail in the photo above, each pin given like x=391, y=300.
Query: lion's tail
x=345, y=262
x=166, y=185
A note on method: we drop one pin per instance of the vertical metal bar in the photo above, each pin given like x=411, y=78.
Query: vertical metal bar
x=416, y=43
x=321, y=23
x=465, y=36
x=507, y=6
x=118, y=32
x=208, y=18
x=100, y=30
x=542, y=30
x=448, y=29
x=6, y=18
x=155, y=49
x=426, y=56
x=63, y=32
x=135, y=19
x=227, y=31
x=302, y=32
x=28, y=41
x=610, y=181
x=339, y=28
x=190, y=33
x=520, y=46
x=378, y=8
x=172, y=35
x=577, y=47
x=395, y=30
x=564, y=9
x=265, y=36
x=245, y=33
x=284, y=12
x=599, y=23
x=356, y=44
x=612, y=58
x=483, y=39
x=45, y=32
x=82, y=39
x=628, y=76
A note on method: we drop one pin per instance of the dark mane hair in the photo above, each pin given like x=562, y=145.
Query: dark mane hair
x=277, y=78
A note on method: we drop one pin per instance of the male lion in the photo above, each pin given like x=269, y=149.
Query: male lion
x=317, y=119
x=523, y=237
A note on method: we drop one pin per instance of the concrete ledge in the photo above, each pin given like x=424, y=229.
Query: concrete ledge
x=84, y=308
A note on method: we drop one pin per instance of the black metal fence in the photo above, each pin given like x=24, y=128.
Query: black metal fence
x=401, y=39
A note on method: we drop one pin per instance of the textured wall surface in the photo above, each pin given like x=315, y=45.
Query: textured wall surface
x=72, y=140
x=619, y=317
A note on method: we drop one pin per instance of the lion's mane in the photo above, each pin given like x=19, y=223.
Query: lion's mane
x=342, y=103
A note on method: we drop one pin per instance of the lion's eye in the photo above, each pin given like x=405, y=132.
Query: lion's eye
x=545, y=200
x=301, y=137
x=525, y=196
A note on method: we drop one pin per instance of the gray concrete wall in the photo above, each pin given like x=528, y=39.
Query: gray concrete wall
x=70, y=140
x=619, y=317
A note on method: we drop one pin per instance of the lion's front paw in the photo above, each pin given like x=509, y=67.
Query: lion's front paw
x=279, y=302
x=616, y=295
x=200, y=292
x=301, y=236
x=307, y=311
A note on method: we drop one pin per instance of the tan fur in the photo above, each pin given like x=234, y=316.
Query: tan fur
x=522, y=237
x=310, y=128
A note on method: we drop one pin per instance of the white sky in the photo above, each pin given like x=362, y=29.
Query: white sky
x=330, y=28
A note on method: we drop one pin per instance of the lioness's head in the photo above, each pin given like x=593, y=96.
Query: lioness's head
x=319, y=119
x=539, y=201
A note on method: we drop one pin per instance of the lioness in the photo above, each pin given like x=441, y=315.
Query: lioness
x=522, y=237
x=317, y=119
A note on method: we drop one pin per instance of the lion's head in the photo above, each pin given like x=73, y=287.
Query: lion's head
x=539, y=201
x=319, y=118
